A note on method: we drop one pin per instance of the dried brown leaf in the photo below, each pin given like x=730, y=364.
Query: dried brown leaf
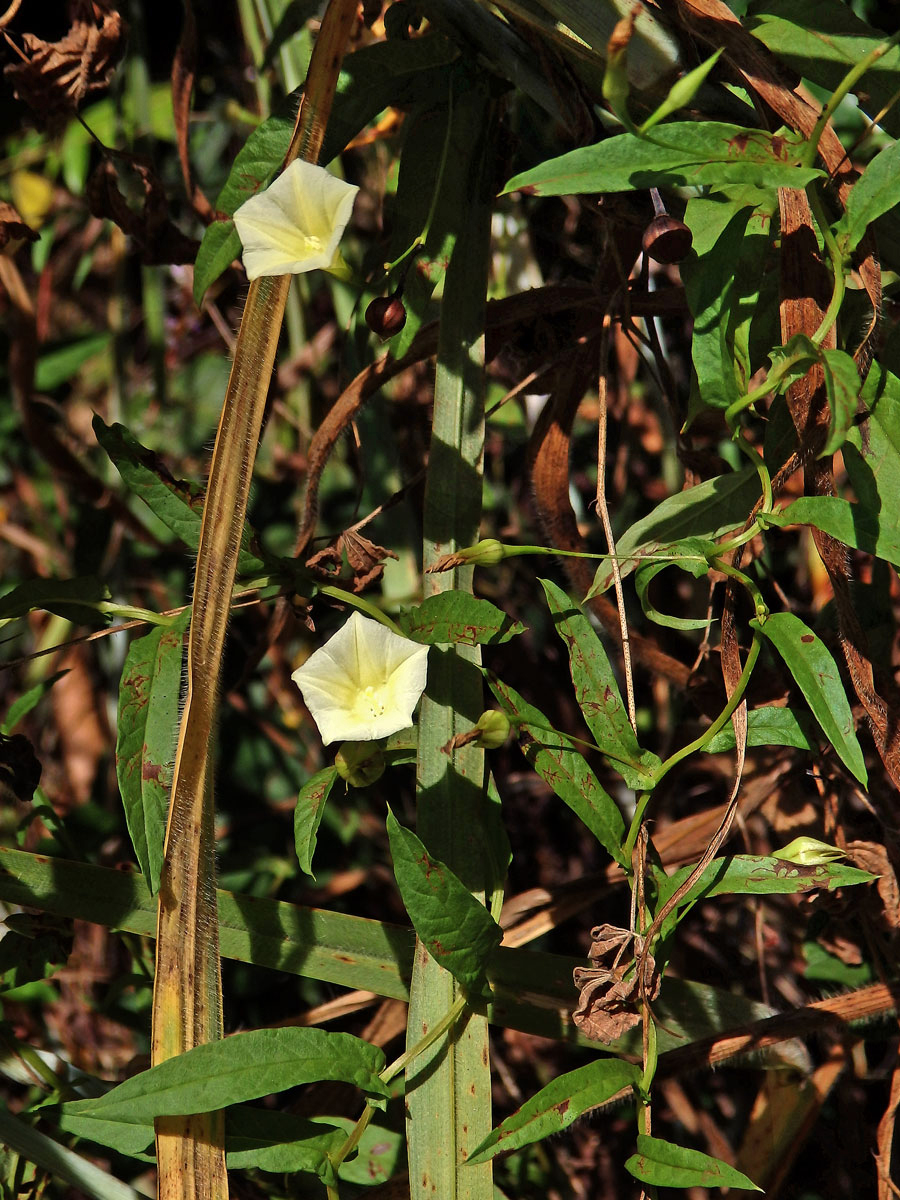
x=610, y=990
x=53, y=78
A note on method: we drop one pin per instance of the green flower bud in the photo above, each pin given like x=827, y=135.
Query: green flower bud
x=494, y=728
x=809, y=852
x=359, y=763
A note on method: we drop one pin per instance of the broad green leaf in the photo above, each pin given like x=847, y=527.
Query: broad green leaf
x=872, y=452
x=597, y=691
x=843, y=387
x=689, y=555
x=177, y=504
x=663, y=1164
x=231, y=1071
x=563, y=769
x=149, y=693
x=722, y=279
x=557, y=1105
x=60, y=596
x=680, y=154
x=60, y=363
x=458, y=617
x=816, y=674
x=707, y=510
x=875, y=193
x=459, y=932
x=308, y=815
x=821, y=40
x=277, y=1141
x=861, y=525
x=770, y=727
x=219, y=248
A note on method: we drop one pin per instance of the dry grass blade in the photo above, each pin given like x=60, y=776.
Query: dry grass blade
x=187, y=992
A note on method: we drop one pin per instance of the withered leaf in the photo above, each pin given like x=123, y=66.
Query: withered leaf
x=54, y=77
x=159, y=239
x=610, y=989
x=365, y=558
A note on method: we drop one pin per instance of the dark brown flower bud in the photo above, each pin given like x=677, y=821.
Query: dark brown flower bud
x=666, y=239
x=386, y=316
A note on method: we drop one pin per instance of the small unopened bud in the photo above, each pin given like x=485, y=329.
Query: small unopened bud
x=666, y=239
x=386, y=316
x=494, y=728
x=808, y=852
x=359, y=763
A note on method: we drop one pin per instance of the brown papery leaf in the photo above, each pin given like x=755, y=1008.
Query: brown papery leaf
x=54, y=77
x=610, y=990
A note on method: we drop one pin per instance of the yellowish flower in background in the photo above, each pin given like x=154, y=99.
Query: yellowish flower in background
x=295, y=225
x=363, y=683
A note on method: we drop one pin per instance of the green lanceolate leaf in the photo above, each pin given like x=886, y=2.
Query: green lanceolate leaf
x=842, y=386
x=557, y=1105
x=680, y=154
x=27, y=701
x=861, y=525
x=458, y=617
x=875, y=193
x=816, y=674
x=771, y=726
x=454, y=925
x=149, y=694
x=563, y=769
x=216, y=1074
x=69, y=598
x=308, y=815
x=690, y=555
x=722, y=278
x=755, y=875
x=822, y=40
x=707, y=510
x=277, y=1141
x=60, y=363
x=597, y=691
x=663, y=1164
x=177, y=504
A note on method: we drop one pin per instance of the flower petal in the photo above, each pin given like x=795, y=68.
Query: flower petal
x=295, y=225
x=364, y=683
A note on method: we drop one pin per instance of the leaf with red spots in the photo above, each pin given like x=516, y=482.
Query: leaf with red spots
x=816, y=674
x=308, y=815
x=597, y=691
x=556, y=1106
x=149, y=694
x=458, y=931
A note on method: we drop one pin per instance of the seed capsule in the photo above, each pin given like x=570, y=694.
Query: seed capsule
x=666, y=239
x=386, y=316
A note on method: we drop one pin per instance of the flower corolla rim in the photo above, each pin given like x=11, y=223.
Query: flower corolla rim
x=364, y=683
x=296, y=224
